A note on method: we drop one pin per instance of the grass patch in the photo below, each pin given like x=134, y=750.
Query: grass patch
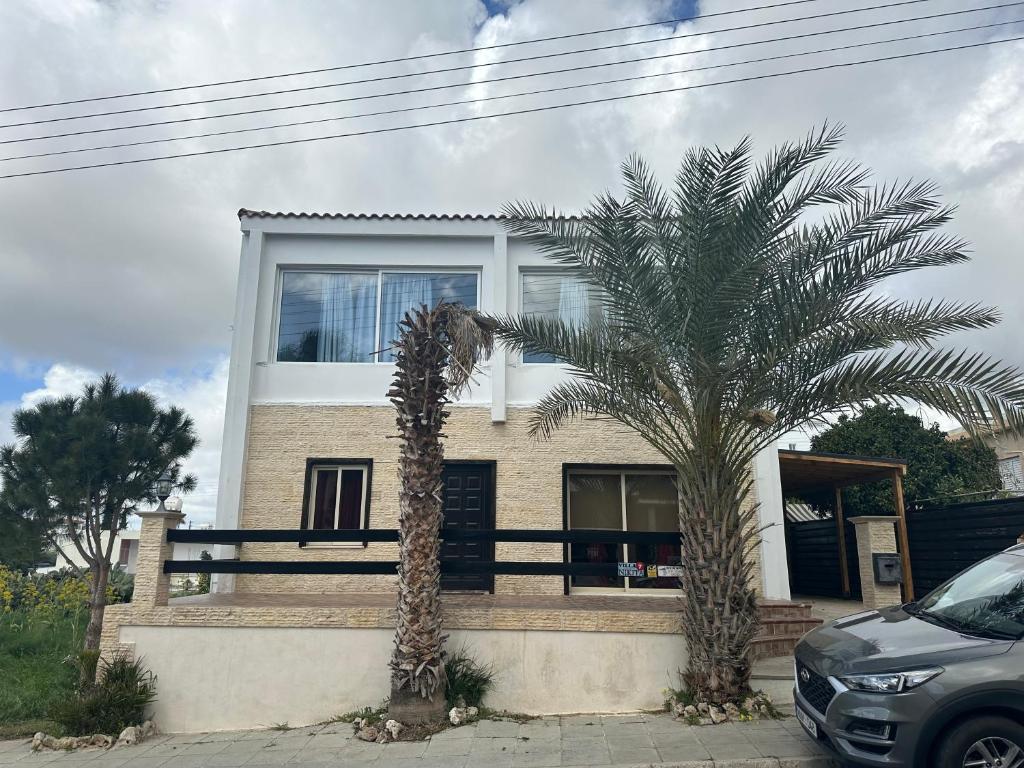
x=33, y=650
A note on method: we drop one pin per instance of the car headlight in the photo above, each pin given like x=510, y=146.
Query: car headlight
x=893, y=682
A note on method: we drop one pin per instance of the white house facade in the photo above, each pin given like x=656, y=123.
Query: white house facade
x=308, y=446
x=318, y=301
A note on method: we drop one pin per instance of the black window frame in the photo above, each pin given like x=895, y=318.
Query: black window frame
x=569, y=468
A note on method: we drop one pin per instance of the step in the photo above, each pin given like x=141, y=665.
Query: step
x=774, y=676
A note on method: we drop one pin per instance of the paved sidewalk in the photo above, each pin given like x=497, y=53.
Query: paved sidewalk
x=579, y=740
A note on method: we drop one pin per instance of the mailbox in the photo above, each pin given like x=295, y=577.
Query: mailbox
x=888, y=569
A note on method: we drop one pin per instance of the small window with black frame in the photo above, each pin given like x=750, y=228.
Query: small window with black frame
x=337, y=497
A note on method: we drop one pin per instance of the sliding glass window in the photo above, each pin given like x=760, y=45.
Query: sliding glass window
x=352, y=317
x=402, y=291
x=623, y=501
x=559, y=296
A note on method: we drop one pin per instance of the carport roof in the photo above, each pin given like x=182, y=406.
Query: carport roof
x=811, y=471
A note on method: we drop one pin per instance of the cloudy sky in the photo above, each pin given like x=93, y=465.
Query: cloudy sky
x=131, y=269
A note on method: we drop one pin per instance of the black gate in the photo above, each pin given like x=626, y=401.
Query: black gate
x=945, y=540
x=814, y=565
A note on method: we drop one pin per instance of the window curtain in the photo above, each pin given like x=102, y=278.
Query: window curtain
x=399, y=294
x=348, y=318
x=573, y=301
x=573, y=308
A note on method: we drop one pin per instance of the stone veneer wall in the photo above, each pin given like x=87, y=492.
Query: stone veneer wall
x=528, y=483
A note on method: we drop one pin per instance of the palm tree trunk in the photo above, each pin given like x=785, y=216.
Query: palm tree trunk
x=720, y=615
x=419, y=393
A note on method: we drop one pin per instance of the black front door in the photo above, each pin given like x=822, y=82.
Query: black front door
x=468, y=504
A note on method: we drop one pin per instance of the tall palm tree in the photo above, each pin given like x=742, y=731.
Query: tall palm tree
x=732, y=317
x=436, y=352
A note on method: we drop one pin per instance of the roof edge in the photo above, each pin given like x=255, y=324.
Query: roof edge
x=247, y=213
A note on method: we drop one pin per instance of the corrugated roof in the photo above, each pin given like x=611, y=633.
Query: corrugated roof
x=247, y=213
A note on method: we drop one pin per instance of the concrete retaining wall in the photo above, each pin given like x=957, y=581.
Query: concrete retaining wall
x=223, y=678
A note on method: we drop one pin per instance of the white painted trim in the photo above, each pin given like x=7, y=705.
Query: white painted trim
x=499, y=358
x=236, y=409
x=774, y=563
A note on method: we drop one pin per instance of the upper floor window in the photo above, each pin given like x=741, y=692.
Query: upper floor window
x=402, y=291
x=351, y=317
x=559, y=295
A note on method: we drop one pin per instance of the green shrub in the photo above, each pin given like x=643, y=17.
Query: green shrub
x=119, y=697
x=468, y=680
x=121, y=586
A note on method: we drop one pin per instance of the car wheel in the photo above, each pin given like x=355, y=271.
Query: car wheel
x=983, y=742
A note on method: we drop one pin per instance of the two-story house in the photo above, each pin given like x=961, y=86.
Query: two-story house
x=308, y=445
x=308, y=426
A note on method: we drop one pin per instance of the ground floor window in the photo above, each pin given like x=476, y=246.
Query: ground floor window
x=337, y=495
x=626, y=500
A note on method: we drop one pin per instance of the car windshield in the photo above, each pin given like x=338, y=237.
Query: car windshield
x=987, y=599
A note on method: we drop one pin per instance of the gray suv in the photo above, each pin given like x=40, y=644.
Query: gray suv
x=938, y=683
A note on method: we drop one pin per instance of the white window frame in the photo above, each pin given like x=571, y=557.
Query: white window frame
x=355, y=270
x=521, y=302
x=311, y=506
x=622, y=473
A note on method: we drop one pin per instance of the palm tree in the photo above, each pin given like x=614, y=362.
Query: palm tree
x=730, y=319
x=436, y=352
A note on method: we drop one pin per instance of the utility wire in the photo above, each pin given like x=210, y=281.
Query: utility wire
x=417, y=57
x=505, y=78
x=479, y=65
x=536, y=92
x=525, y=111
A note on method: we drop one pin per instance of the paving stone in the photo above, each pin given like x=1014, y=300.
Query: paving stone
x=403, y=749
x=586, y=756
x=490, y=746
x=624, y=741
x=448, y=761
x=147, y=762
x=438, y=747
x=227, y=759
x=497, y=728
x=565, y=720
x=634, y=756
x=537, y=760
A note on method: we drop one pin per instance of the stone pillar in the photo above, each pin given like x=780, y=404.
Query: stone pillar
x=876, y=535
x=152, y=585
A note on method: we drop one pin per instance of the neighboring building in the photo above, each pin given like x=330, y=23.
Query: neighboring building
x=125, y=553
x=1010, y=454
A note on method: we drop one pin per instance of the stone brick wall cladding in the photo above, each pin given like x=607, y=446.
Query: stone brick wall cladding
x=528, y=490
x=875, y=535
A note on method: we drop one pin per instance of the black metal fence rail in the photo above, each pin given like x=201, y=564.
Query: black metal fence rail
x=528, y=535
x=376, y=567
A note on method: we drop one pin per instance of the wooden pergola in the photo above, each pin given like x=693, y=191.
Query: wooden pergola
x=805, y=472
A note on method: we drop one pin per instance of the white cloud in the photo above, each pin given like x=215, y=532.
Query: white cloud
x=133, y=269
x=200, y=394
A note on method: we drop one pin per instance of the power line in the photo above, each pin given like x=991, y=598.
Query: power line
x=525, y=111
x=403, y=59
x=448, y=86
x=465, y=67
x=536, y=92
